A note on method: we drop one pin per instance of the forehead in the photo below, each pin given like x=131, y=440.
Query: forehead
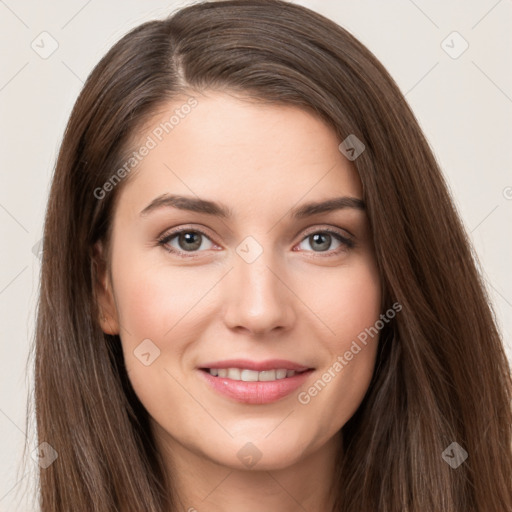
x=249, y=155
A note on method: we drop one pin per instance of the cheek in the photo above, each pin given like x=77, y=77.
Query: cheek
x=349, y=303
x=156, y=308
x=153, y=300
x=345, y=300
x=167, y=305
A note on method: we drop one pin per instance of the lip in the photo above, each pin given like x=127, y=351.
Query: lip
x=269, y=364
x=254, y=393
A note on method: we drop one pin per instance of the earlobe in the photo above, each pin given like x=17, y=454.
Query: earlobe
x=103, y=292
x=108, y=322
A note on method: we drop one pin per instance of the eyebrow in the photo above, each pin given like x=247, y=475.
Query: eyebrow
x=194, y=204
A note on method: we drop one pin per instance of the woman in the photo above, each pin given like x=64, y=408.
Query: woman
x=256, y=292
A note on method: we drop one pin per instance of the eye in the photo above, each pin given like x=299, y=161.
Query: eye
x=321, y=241
x=185, y=240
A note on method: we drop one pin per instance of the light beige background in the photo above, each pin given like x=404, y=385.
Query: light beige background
x=463, y=104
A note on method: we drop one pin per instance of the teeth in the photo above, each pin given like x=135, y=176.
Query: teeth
x=267, y=375
x=251, y=375
x=233, y=374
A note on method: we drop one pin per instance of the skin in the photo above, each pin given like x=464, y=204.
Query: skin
x=293, y=302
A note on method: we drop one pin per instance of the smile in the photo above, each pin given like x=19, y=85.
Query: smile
x=247, y=375
x=253, y=387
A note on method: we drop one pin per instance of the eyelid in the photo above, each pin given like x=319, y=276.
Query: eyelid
x=185, y=227
x=326, y=228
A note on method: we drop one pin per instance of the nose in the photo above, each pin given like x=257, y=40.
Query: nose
x=257, y=297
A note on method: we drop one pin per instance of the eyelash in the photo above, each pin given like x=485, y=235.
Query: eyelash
x=347, y=243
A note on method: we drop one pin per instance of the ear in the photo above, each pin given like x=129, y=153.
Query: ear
x=102, y=285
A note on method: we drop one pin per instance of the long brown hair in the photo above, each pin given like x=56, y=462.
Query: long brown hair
x=441, y=376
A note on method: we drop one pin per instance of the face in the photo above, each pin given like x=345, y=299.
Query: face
x=253, y=284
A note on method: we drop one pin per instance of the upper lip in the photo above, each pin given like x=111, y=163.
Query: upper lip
x=258, y=366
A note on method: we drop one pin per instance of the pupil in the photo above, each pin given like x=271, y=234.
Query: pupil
x=188, y=238
x=326, y=238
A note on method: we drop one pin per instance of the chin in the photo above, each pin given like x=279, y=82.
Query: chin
x=258, y=455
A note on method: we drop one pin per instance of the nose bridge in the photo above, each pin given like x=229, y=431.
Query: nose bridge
x=258, y=299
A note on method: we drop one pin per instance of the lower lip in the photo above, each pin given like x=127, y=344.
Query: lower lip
x=256, y=392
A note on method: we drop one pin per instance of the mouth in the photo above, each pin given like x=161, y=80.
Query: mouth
x=253, y=382
x=246, y=375
x=247, y=370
